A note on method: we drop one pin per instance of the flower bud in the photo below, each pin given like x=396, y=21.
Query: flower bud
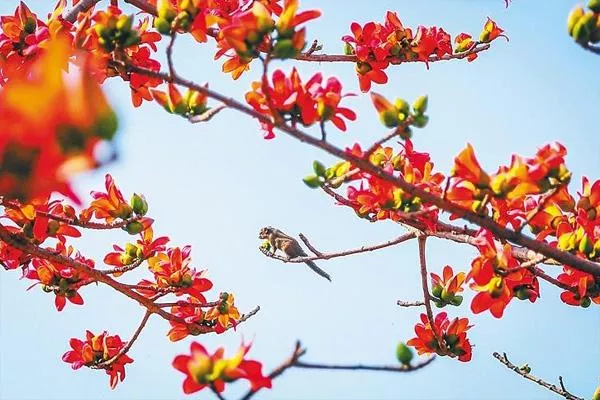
x=131, y=249
x=437, y=291
x=404, y=354
x=573, y=18
x=594, y=5
x=348, y=49
x=420, y=105
x=585, y=302
x=420, y=120
x=134, y=227
x=456, y=300
x=319, y=168
x=312, y=181
x=402, y=106
x=389, y=118
x=126, y=259
x=139, y=204
x=124, y=23
x=162, y=25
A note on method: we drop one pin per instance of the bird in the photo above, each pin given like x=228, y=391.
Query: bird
x=289, y=246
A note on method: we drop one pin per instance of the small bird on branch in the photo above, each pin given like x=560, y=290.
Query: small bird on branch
x=289, y=246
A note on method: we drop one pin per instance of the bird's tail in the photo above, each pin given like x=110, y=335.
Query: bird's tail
x=318, y=270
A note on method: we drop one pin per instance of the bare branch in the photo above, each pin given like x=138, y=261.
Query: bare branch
x=560, y=391
x=362, y=367
x=170, y=54
x=83, y=6
x=310, y=246
x=417, y=303
x=426, y=296
x=125, y=349
x=324, y=256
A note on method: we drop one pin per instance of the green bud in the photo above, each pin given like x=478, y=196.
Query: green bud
x=525, y=368
x=284, y=48
x=594, y=5
x=131, y=249
x=437, y=291
x=389, y=118
x=573, y=18
x=585, y=302
x=224, y=296
x=404, y=354
x=402, y=106
x=348, y=49
x=124, y=23
x=451, y=340
x=420, y=120
x=420, y=105
x=456, y=300
x=312, y=181
x=447, y=296
x=46, y=289
x=319, y=168
x=162, y=25
x=105, y=127
x=126, y=259
x=132, y=39
x=134, y=227
x=139, y=204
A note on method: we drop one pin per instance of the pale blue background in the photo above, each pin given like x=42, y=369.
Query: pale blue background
x=214, y=186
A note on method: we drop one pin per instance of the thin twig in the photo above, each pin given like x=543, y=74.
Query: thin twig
x=310, y=246
x=561, y=392
x=426, y=296
x=416, y=303
x=327, y=256
x=124, y=268
x=395, y=132
x=169, y=52
x=187, y=304
x=83, y=6
x=362, y=367
x=501, y=232
x=125, y=349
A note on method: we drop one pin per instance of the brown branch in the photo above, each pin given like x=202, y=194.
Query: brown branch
x=290, y=362
x=125, y=349
x=315, y=46
x=498, y=230
x=125, y=268
x=143, y=5
x=186, y=304
x=83, y=6
x=395, y=132
x=426, y=296
x=18, y=242
x=327, y=256
x=310, y=246
x=417, y=303
x=392, y=60
x=169, y=52
x=362, y=367
x=561, y=392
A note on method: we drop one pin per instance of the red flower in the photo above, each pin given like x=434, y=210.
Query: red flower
x=109, y=205
x=98, y=349
x=587, y=287
x=453, y=337
x=203, y=369
x=190, y=311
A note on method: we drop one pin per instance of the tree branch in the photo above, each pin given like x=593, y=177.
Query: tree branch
x=417, y=303
x=83, y=6
x=324, y=256
x=560, y=391
x=362, y=367
x=498, y=230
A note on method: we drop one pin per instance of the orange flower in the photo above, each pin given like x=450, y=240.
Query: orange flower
x=467, y=167
x=191, y=312
x=445, y=288
x=109, y=205
x=224, y=313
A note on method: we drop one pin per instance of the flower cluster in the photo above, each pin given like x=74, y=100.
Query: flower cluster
x=377, y=199
x=288, y=99
x=399, y=115
x=445, y=337
x=376, y=45
x=203, y=369
x=99, y=351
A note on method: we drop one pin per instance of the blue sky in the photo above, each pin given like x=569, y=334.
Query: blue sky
x=215, y=185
